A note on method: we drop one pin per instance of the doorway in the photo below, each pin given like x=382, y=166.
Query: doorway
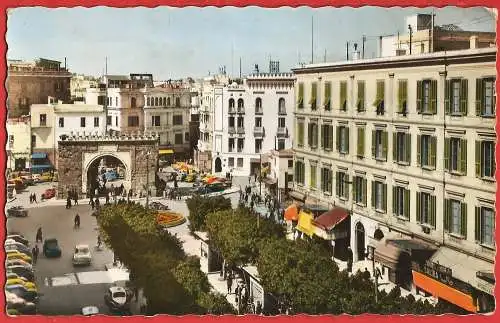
x=218, y=165
x=360, y=241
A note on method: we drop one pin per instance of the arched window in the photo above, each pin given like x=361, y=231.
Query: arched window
x=281, y=105
x=164, y=101
x=156, y=101
x=231, y=103
x=258, y=105
x=133, y=102
x=168, y=102
x=240, y=103
x=148, y=101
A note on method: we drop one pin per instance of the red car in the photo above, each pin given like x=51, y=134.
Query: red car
x=49, y=193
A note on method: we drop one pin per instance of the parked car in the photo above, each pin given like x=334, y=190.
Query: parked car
x=20, y=281
x=49, y=193
x=21, y=271
x=13, y=245
x=19, y=238
x=51, y=248
x=12, y=275
x=46, y=177
x=90, y=310
x=27, y=177
x=17, y=212
x=14, y=254
x=18, y=262
x=28, y=294
x=82, y=255
x=37, y=178
x=17, y=305
x=116, y=298
x=18, y=184
x=158, y=206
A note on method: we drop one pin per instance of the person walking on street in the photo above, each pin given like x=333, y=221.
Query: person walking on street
x=229, y=283
x=99, y=241
x=34, y=198
x=77, y=221
x=75, y=198
x=349, y=259
x=39, y=236
x=34, y=252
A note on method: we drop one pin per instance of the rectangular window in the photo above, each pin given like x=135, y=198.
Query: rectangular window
x=485, y=159
x=240, y=122
x=100, y=100
x=258, y=122
x=327, y=137
x=258, y=146
x=360, y=151
x=177, y=120
x=133, y=121
x=230, y=162
x=379, y=196
x=299, y=172
x=485, y=97
x=231, y=122
x=360, y=190
x=426, y=151
x=43, y=120
x=427, y=97
x=402, y=97
x=178, y=139
x=313, y=175
x=328, y=94
x=96, y=122
x=281, y=122
x=11, y=141
x=401, y=202
x=239, y=162
x=300, y=97
x=485, y=226
x=312, y=135
x=314, y=95
x=379, y=99
x=343, y=96
x=342, y=186
x=186, y=136
x=455, y=217
x=379, y=145
x=455, y=155
x=155, y=121
x=116, y=121
x=290, y=163
x=401, y=148
x=231, y=145
x=61, y=122
x=108, y=120
x=326, y=180
x=426, y=209
x=300, y=134
x=116, y=101
x=281, y=144
x=343, y=139
x=456, y=97
x=33, y=141
x=82, y=122
x=360, y=103
x=241, y=144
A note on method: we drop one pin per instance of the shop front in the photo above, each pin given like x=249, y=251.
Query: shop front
x=333, y=227
x=40, y=163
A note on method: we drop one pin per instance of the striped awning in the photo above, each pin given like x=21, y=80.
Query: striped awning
x=39, y=155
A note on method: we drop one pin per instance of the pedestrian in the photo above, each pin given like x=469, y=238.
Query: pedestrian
x=249, y=178
x=31, y=198
x=99, y=241
x=366, y=274
x=229, y=283
x=107, y=197
x=39, y=236
x=255, y=177
x=75, y=198
x=34, y=252
x=68, y=203
x=92, y=204
x=349, y=259
x=34, y=198
x=77, y=221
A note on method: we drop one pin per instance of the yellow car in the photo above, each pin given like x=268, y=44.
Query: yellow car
x=46, y=177
x=14, y=254
x=18, y=281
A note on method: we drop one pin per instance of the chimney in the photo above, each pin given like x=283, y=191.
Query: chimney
x=474, y=42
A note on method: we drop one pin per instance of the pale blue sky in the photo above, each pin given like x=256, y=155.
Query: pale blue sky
x=181, y=42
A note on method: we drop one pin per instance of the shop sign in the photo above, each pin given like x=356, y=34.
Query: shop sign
x=437, y=271
x=484, y=286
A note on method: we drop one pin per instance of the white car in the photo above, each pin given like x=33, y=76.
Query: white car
x=116, y=298
x=82, y=255
x=90, y=310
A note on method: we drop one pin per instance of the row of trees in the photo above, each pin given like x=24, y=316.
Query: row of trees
x=299, y=273
x=172, y=282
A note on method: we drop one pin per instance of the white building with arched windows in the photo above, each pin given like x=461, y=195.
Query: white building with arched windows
x=251, y=117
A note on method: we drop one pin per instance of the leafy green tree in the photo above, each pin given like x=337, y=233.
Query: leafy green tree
x=200, y=206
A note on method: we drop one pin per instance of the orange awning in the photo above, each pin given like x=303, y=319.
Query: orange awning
x=440, y=290
x=292, y=213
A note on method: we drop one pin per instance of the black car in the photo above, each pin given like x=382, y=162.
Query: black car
x=22, y=271
x=18, y=238
x=17, y=212
x=158, y=206
x=19, y=247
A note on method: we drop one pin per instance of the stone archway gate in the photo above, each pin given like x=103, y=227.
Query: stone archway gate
x=77, y=153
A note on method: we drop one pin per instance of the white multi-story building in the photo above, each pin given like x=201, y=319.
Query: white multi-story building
x=18, y=144
x=250, y=117
x=406, y=146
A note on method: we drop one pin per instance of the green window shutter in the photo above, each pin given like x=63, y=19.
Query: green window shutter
x=374, y=132
x=365, y=190
x=315, y=134
x=464, y=96
x=384, y=144
x=419, y=143
x=373, y=194
x=394, y=200
x=479, y=96
x=447, y=153
x=419, y=96
x=477, y=224
x=463, y=221
x=343, y=95
x=382, y=90
x=347, y=139
x=309, y=134
x=433, y=212
x=346, y=186
x=434, y=96
x=384, y=196
x=479, y=161
x=330, y=136
x=337, y=138
x=360, y=142
x=395, y=147
x=328, y=90
x=463, y=156
x=408, y=147
x=407, y=203
x=300, y=98
x=400, y=96
x=355, y=188
x=494, y=103
x=322, y=136
x=446, y=215
x=314, y=96
x=433, y=151
x=418, y=208
x=337, y=184
x=447, y=96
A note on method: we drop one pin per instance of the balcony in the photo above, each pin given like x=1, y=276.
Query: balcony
x=259, y=132
x=232, y=110
x=282, y=112
x=42, y=124
x=240, y=130
x=282, y=132
x=231, y=130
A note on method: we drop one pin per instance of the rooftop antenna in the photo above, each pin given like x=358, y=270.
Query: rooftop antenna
x=324, y=57
x=240, y=67
x=312, y=39
x=106, y=97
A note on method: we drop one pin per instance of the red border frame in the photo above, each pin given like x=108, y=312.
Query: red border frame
x=5, y=4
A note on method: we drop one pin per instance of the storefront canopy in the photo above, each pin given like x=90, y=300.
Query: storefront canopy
x=292, y=213
x=387, y=255
x=165, y=151
x=305, y=223
x=328, y=220
x=39, y=156
x=41, y=166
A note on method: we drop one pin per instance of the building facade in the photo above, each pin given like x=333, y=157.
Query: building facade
x=18, y=145
x=32, y=82
x=79, y=85
x=251, y=117
x=406, y=145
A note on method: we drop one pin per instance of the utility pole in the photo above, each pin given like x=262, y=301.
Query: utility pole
x=347, y=51
x=324, y=57
x=260, y=177
x=431, y=49
x=364, y=40
x=411, y=34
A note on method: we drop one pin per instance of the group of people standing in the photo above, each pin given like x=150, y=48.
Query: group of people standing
x=33, y=198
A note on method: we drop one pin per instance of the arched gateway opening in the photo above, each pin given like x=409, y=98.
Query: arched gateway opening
x=107, y=173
